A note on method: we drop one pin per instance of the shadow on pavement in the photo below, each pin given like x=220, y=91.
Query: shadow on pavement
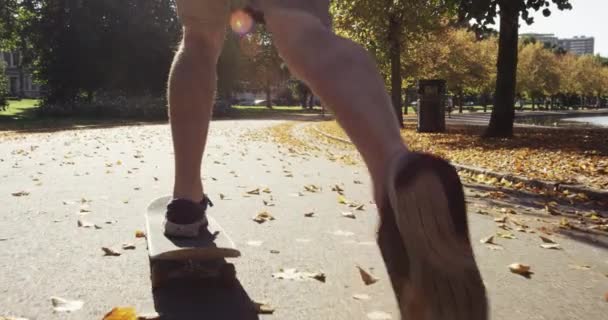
x=191, y=301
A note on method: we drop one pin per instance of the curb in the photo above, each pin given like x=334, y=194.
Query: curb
x=591, y=193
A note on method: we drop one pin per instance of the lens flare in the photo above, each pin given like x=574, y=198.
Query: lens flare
x=241, y=22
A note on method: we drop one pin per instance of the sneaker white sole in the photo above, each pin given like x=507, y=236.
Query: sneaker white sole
x=191, y=230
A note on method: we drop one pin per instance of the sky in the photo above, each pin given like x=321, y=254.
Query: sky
x=587, y=18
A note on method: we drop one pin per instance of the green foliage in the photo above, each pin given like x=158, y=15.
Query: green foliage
x=82, y=46
x=3, y=87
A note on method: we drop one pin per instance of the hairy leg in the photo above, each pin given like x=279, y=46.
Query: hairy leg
x=192, y=84
x=345, y=77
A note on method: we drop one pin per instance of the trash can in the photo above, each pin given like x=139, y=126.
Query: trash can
x=431, y=109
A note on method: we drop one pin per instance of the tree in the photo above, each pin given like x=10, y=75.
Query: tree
x=484, y=13
x=589, y=77
x=264, y=68
x=3, y=87
x=384, y=28
x=538, y=73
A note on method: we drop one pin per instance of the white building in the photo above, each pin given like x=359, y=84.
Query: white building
x=20, y=81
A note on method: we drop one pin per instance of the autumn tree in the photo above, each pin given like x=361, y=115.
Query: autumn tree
x=538, y=73
x=3, y=87
x=384, y=28
x=589, y=76
x=484, y=13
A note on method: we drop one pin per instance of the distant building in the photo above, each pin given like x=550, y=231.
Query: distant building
x=577, y=45
x=20, y=82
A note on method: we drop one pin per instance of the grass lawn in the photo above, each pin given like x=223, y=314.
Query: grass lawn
x=19, y=109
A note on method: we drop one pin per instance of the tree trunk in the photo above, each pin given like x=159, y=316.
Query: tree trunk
x=268, y=97
x=533, y=103
x=503, y=114
x=395, y=55
x=311, y=102
x=460, y=101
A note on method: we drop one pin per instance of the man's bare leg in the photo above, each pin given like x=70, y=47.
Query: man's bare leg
x=423, y=234
x=345, y=77
x=192, y=84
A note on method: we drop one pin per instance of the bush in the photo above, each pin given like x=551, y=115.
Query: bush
x=3, y=87
x=109, y=105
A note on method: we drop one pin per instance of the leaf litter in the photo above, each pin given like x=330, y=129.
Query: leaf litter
x=521, y=269
x=367, y=277
x=294, y=274
x=65, y=305
x=263, y=217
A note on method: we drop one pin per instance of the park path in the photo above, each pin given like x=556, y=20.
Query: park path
x=106, y=177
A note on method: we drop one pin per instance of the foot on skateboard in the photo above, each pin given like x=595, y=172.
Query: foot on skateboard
x=200, y=258
x=424, y=240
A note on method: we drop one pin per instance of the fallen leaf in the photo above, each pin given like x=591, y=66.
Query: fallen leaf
x=266, y=190
x=254, y=191
x=488, y=240
x=275, y=251
x=502, y=219
x=546, y=240
x=293, y=274
x=565, y=224
x=482, y=212
x=379, y=315
x=121, y=313
x=361, y=296
x=128, y=246
x=357, y=182
x=110, y=252
x=64, y=305
x=360, y=207
x=580, y=267
x=367, y=277
x=222, y=196
x=338, y=189
x=342, y=199
x=309, y=214
x=20, y=194
x=85, y=224
x=520, y=269
x=312, y=188
x=263, y=217
x=149, y=316
x=505, y=235
x=553, y=246
x=140, y=234
x=349, y=215
x=263, y=308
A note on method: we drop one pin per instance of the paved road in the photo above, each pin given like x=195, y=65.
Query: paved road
x=110, y=175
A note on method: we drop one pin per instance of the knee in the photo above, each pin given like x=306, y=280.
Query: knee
x=201, y=45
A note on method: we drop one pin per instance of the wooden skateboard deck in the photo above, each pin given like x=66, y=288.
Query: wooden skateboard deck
x=201, y=258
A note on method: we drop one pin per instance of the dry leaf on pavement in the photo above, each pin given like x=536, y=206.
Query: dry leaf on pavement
x=263, y=217
x=140, y=234
x=505, y=235
x=85, y=224
x=110, y=252
x=580, y=267
x=520, y=269
x=254, y=191
x=128, y=246
x=121, y=313
x=293, y=274
x=546, y=240
x=263, y=307
x=20, y=194
x=64, y=305
x=309, y=214
x=553, y=246
x=361, y=296
x=342, y=200
x=338, y=189
x=349, y=215
x=488, y=240
x=312, y=188
x=266, y=190
x=502, y=219
x=367, y=277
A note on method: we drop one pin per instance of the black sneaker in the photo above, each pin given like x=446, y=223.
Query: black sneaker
x=185, y=218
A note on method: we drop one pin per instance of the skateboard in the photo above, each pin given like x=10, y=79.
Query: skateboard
x=191, y=259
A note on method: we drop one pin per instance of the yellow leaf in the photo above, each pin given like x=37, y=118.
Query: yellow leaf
x=342, y=199
x=121, y=313
x=140, y=234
